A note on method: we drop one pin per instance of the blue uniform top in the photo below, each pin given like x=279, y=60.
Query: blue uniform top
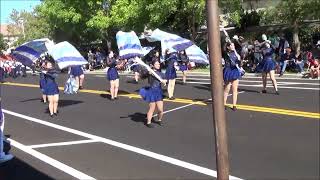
x=231, y=60
x=112, y=62
x=154, y=82
x=76, y=68
x=184, y=59
x=268, y=54
x=41, y=75
x=173, y=57
x=50, y=76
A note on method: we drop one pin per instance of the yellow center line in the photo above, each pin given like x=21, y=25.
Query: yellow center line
x=287, y=112
x=279, y=111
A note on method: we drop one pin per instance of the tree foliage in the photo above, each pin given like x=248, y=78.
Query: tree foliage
x=293, y=13
x=87, y=21
x=2, y=43
x=34, y=26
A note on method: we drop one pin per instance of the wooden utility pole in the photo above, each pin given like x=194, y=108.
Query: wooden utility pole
x=217, y=92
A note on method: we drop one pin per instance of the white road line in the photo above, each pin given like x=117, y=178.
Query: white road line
x=260, y=85
x=297, y=83
x=137, y=150
x=280, y=87
x=242, y=80
x=175, y=109
x=62, y=143
x=57, y=164
x=253, y=76
x=189, y=105
x=284, y=82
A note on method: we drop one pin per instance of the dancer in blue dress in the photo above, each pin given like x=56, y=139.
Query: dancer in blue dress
x=267, y=66
x=231, y=74
x=77, y=73
x=184, y=60
x=113, y=76
x=51, y=88
x=153, y=94
x=136, y=68
x=171, y=73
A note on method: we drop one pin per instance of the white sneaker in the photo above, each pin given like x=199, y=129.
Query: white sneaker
x=6, y=158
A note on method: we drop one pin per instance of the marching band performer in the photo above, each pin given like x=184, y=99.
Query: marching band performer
x=171, y=73
x=184, y=60
x=153, y=94
x=231, y=74
x=267, y=66
x=51, y=88
x=77, y=73
x=113, y=76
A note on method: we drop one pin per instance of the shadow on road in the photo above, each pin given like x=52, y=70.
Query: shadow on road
x=67, y=102
x=17, y=169
x=33, y=99
x=137, y=117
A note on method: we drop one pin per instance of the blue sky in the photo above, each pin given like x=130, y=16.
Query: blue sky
x=8, y=5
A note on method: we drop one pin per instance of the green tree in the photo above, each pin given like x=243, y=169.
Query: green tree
x=233, y=9
x=79, y=22
x=86, y=21
x=2, y=43
x=294, y=13
x=34, y=26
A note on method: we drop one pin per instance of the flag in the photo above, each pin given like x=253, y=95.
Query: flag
x=66, y=55
x=129, y=45
x=169, y=41
x=195, y=54
x=29, y=52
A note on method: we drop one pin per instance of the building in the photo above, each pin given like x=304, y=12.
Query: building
x=9, y=37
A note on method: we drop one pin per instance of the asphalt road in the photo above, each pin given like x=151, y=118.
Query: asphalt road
x=270, y=136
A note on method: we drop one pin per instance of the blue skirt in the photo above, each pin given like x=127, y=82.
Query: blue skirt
x=135, y=68
x=231, y=74
x=151, y=94
x=266, y=66
x=42, y=84
x=171, y=73
x=51, y=88
x=76, y=71
x=183, y=68
x=112, y=74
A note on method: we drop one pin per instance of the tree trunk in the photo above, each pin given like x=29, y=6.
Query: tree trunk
x=193, y=28
x=296, y=40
